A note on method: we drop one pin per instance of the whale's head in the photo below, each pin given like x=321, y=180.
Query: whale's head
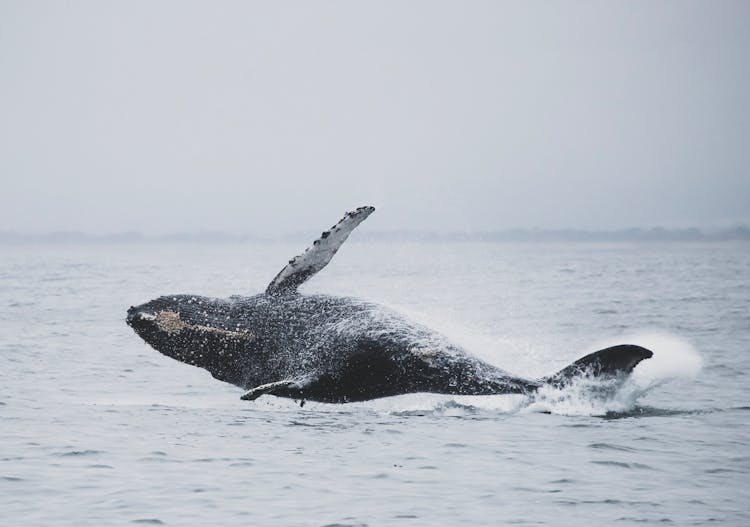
x=196, y=330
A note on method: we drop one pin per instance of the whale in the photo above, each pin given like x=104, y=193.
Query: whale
x=335, y=349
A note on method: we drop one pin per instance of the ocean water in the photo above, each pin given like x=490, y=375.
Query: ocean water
x=96, y=428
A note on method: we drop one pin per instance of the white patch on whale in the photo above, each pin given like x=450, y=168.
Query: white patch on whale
x=171, y=323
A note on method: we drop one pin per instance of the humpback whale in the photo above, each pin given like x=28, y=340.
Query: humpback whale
x=335, y=349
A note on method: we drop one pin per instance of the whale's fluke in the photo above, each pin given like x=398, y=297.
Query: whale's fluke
x=317, y=256
x=614, y=361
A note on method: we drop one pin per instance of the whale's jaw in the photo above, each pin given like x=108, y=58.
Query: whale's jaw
x=195, y=330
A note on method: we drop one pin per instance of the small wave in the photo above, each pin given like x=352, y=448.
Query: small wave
x=158, y=459
x=611, y=446
x=633, y=519
x=650, y=411
x=242, y=464
x=622, y=464
x=723, y=470
x=447, y=408
x=74, y=453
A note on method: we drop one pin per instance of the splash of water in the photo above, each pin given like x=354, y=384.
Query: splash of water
x=674, y=359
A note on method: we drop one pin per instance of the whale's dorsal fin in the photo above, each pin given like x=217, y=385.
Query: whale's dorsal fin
x=317, y=256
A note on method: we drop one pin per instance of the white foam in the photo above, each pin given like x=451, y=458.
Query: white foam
x=453, y=405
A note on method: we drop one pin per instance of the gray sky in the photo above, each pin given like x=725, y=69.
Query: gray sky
x=278, y=116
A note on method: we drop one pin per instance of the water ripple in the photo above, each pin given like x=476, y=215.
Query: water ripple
x=622, y=464
x=611, y=446
x=77, y=453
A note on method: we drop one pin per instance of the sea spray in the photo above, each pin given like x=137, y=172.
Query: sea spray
x=674, y=359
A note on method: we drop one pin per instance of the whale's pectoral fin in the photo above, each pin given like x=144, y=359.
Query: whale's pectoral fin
x=317, y=256
x=617, y=361
x=285, y=388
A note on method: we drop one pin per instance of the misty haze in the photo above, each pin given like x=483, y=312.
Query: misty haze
x=259, y=118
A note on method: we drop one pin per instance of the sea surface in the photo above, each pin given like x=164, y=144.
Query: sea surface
x=96, y=428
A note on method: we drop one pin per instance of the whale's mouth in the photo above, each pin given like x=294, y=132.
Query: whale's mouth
x=137, y=317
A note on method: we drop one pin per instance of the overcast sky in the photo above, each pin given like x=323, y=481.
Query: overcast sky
x=453, y=116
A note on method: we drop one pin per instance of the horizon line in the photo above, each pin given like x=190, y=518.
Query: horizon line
x=632, y=234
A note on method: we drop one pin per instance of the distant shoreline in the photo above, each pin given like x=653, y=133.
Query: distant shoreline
x=656, y=234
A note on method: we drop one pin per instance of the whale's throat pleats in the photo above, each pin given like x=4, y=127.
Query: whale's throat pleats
x=317, y=256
